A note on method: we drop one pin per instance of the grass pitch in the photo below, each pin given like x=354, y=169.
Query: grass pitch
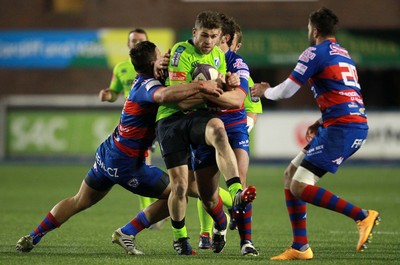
x=28, y=192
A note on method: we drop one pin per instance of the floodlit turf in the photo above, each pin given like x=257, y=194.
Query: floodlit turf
x=28, y=192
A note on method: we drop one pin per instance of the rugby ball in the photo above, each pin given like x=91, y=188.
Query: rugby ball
x=204, y=72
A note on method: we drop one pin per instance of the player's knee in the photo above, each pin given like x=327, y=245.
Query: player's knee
x=288, y=175
x=301, y=178
x=296, y=188
x=179, y=190
x=217, y=136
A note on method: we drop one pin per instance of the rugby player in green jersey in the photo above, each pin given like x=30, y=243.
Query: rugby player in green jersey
x=181, y=126
x=123, y=73
x=230, y=108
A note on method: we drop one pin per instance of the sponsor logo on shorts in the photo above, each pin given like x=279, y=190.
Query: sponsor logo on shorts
x=244, y=143
x=315, y=150
x=338, y=161
x=358, y=143
x=112, y=172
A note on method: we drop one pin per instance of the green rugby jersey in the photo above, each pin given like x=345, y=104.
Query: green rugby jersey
x=250, y=106
x=123, y=75
x=184, y=59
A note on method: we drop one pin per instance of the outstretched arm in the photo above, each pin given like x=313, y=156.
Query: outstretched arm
x=286, y=89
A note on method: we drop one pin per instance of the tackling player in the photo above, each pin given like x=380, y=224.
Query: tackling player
x=120, y=159
x=123, y=76
x=340, y=132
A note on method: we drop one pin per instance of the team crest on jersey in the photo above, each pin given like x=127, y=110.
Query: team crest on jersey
x=217, y=62
x=134, y=183
x=308, y=55
x=177, y=55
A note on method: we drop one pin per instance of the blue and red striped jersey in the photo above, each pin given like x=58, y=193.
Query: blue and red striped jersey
x=136, y=129
x=332, y=75
x=232, y=117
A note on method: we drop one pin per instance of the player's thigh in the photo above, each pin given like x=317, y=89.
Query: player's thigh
x=149, y=181
x=173, y=137
x=202, y=122
x=88, y=196
x=172, y=133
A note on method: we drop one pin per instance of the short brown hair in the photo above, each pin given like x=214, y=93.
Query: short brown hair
x=209, y=20
x=228, y=27
x=142, y=56
x=325, y=21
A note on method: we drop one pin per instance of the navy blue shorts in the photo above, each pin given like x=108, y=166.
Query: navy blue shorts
x=333, y=145
x=204, y=155
x=114, y=167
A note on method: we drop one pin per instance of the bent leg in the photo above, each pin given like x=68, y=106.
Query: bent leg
x=85, y=198
x=226, y=160
x=60, y=213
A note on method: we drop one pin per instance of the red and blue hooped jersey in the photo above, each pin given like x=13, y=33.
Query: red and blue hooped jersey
x=234, y=117
x=136, y=129
x=332, y=75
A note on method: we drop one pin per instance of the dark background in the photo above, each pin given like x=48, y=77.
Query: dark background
x=380, y=86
